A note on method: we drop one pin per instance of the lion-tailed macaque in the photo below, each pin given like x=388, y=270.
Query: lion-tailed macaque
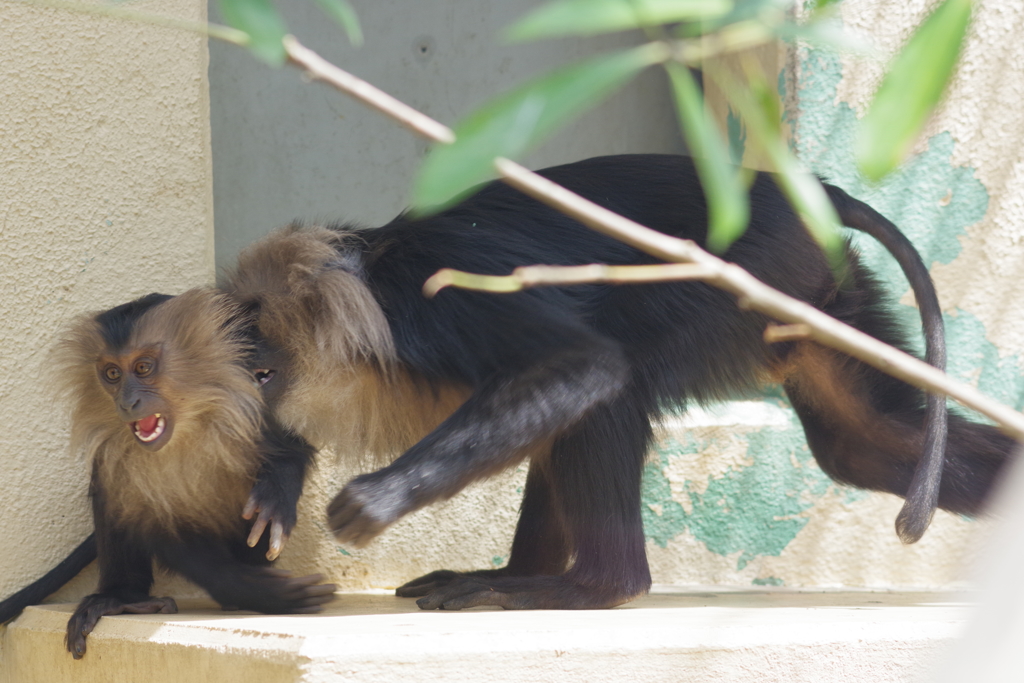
x=467, y=384
x=167, y=407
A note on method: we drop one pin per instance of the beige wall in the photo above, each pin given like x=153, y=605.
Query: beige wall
x=104, y=195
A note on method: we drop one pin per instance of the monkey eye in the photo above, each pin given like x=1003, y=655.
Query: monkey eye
x=263, y=376
x=112, y=373
x=143, y=367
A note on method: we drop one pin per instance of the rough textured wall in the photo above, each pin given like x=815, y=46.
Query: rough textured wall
x=104, y=195
x=764, y=513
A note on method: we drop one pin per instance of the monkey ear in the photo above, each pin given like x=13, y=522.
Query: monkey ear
x=348, y=323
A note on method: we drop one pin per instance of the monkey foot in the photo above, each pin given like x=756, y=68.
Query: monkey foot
x=441, y=578
x=452, y=591
x=92, y=607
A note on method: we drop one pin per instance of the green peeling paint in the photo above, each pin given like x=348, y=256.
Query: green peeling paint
x=754, y=510
x=932, y=202
x=759, y=509
x=769, y=581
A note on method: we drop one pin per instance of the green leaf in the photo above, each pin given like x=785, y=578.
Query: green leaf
x=261, y=22
x=912, y=89
x=728, y=205
x=511, y=124
x=588, y=17
x=343, y=13
x=804, y=191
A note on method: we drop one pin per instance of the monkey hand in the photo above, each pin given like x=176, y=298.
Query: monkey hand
x=366, y=506
x=92, y=607
x=271, y=506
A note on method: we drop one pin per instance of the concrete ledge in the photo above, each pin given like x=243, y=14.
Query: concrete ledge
x=673, y=634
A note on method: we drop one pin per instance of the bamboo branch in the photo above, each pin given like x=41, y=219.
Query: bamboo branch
x=755, y=295
x=538, y=276
x=320, y=69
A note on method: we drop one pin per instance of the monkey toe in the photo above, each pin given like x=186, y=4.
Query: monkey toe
x=164, y=605
x=426, y=583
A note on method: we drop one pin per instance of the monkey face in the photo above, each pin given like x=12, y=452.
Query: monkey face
x=133, y=381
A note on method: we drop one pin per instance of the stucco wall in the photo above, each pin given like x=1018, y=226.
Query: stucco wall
x=104, y=195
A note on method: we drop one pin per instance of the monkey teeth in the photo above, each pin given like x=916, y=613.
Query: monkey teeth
x=149, y=428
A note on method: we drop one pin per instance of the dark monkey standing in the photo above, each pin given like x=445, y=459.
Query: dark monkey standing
x=571, y=377
x=352, y=356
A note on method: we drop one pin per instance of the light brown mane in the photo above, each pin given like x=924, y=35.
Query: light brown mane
x=201, y=478
x=347, y=389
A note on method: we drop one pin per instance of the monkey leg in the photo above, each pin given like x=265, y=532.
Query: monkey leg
x=594, y=485
x=210, y=563
x=540, y=545
x=492, y=430
x=126, y=575
x=866, y=429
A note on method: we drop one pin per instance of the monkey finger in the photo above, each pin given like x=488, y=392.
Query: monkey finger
x=257, y=530
x=277, y=540
x=251, y=506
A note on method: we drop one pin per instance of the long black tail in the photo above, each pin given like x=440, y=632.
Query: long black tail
x=923, y=494
x=54, y=579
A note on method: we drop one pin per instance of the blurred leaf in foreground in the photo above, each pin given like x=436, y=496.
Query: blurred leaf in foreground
x=261, y=22
x=589, y=17
x=511, y=124
x=912, y=88
x=343, y=13
x=728, y=206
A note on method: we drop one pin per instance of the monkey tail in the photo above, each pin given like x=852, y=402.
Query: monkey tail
x=51, y=581
x=923, y=494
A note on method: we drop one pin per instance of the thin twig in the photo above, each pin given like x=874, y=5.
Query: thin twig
x=319, y=68
x=759, y=296
x=783, y=333
x=537, y=276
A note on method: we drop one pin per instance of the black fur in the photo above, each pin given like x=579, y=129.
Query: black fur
x=116, y=325
x=235, y=575
x=589, y=367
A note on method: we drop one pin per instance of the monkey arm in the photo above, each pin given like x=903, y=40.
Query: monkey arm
x=501, y=420
x=275, y=495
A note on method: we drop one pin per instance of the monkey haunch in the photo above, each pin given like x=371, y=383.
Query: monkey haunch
x=571, y=377
x=172, y=419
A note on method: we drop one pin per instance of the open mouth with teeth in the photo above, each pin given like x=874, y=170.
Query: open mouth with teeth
x=151, y=431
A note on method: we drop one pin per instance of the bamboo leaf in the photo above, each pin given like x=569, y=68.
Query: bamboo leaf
x=803, y=190
x=912, y=89
x=589, y=17
x=728, y=205
x=511, y=124
x=345, y=15
x=261, y=22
